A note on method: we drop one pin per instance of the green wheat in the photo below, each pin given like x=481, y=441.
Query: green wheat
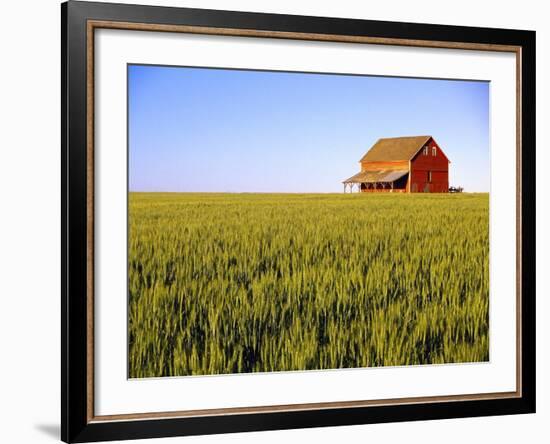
x=227, y=283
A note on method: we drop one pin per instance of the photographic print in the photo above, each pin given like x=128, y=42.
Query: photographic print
x=292, y=221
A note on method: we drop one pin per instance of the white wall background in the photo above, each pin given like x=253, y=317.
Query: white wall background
x=30, y=219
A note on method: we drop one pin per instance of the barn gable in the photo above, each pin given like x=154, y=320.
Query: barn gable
x=431, y=142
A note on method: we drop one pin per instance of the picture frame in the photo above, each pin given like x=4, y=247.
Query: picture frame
x=80, y=21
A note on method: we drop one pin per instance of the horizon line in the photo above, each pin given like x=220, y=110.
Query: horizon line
x=289, y=192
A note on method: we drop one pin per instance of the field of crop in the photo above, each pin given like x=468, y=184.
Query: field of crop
x=229, y=283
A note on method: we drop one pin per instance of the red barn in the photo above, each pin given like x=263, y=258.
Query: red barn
x=402, y=164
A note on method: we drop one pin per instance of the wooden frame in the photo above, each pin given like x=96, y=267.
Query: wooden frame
x=79, y=21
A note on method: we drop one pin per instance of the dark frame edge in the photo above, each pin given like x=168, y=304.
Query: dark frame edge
x=209, y=425
x=64, y=172
x=73, y=221
x=528, y=218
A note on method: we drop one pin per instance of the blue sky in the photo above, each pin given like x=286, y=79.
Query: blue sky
x=219, y=130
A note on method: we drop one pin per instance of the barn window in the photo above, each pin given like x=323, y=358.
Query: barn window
x=434, y=151
x=426, y=150
x=429, y=176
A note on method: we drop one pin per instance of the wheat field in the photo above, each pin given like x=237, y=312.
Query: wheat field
x=231, y=283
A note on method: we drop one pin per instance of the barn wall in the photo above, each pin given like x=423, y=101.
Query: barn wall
x=421, y=165
x=398, y=165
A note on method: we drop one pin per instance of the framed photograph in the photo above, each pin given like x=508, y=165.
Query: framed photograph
x=275, y=221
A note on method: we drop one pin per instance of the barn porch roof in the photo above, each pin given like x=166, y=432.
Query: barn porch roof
x=376, y=176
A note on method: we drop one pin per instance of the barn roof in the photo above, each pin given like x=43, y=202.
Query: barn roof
x=395, y=148
x=376, y=176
